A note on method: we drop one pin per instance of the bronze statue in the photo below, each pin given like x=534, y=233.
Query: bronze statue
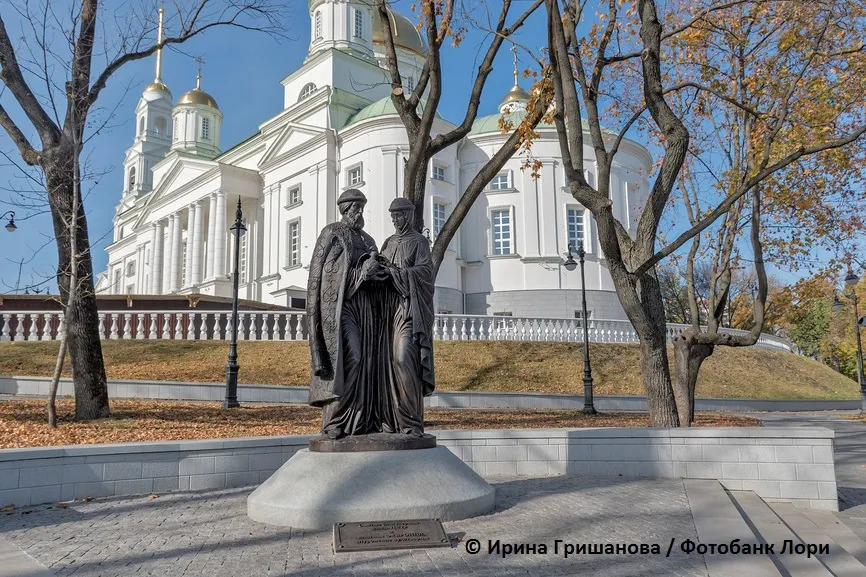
x=410, y=271
x=371, y=321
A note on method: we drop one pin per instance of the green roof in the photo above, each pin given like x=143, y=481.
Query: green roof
x=382, y=107
x=487, y=124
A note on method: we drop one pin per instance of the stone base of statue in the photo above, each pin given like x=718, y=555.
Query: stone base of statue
x=314, y=490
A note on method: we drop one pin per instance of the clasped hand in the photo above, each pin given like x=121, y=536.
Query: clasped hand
x=374, y=270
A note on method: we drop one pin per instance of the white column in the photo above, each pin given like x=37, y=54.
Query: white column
x=167, y=256
x=176, y=252
x=190, y=232
x=197, y=244
x=155, y=237
x=219, y=253
x=267, y=215
x=211, y=227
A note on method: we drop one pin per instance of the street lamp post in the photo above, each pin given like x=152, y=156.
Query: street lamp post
x=10, y=226
x=231, y=400
x=588, y=406
x=851, y=282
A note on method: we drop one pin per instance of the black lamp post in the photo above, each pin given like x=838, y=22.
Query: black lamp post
x=851, y=282
x=231, y=400
x=10, y=226
x=588, y=407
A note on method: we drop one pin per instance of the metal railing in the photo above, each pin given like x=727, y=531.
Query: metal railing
x=203, y=325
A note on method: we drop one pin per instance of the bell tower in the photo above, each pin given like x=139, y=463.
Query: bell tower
x=152, y=131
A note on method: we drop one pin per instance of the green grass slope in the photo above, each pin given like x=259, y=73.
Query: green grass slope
x=462, y=366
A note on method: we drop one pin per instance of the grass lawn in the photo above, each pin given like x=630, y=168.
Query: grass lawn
x=22, y=423
x=460, y=366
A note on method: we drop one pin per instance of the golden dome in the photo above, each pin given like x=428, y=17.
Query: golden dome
x=516, y=94
x=157, y=87
x=405, y=34
x=198, y=96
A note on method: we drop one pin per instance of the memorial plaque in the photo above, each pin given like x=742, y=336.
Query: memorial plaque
x=385, y=535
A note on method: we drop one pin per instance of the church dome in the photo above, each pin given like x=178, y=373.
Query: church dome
x=157, y=87
x=198, y=96
x=405, y=34
x=516, y=94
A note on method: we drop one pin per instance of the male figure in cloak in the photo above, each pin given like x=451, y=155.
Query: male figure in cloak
x=344, y=284
x=410, y=309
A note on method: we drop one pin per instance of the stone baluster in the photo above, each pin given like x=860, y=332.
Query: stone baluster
x=127, y=326
x=190, y=327
x=46, y=327
x=462, y=328
x=139, y=328
x=227, y=335
x=101, y=330
x=242, y=317
x=267, y=334
x=5, y=336
x=34, y=328
x=178, y=326
x=113, y=335
x=152, y=319
x=61, y=326
x=19, y=329
x=254, y=317
x=166, y=331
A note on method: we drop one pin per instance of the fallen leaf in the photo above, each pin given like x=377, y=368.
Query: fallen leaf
x=152, y=496
x=8, y=508
x=62, y=505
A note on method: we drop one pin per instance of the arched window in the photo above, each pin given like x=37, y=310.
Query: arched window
x=205, y=128
x=141, y=125
x=318, y=31
x=131, y=178
x=174, y=135
x=308, y=89
x=160, y=125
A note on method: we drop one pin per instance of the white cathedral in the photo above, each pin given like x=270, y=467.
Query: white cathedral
x=339, y=130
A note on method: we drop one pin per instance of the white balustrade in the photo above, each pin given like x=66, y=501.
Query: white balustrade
x=292, y=326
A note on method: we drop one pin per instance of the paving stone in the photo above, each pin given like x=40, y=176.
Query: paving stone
x=209, y=534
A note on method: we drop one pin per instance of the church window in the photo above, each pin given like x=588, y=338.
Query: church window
x=438, y=172
x=183, y=264
x=117, y=277
x=307, y=90
x=578, y=314
x=160, y=126
x=293, y=245
x=438, y=218
x=410, y=84
x=141, y=125
x=175, y=128
x=131, y=177
x=318, y=35
x=205, y=128
x=295, y=195
x=354, y=176
x=501, y=181
x=574, y=223
x=359, y=24
x=502, y=231
x=130, y=269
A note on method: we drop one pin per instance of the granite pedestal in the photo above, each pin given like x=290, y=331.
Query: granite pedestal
x=314, y=490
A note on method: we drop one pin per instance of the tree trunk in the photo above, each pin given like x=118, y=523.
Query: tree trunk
x=688, y=358
x=82, y=322
x=657, y=383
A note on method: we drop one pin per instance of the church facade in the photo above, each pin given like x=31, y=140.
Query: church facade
x=339, y=130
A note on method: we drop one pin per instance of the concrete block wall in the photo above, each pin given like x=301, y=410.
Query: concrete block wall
x=448, y=299
x=779, y=464
x=783, y=464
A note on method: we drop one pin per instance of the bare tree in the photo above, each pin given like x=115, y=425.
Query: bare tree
x=438, y=23
x=46, y=78
x=580, y=64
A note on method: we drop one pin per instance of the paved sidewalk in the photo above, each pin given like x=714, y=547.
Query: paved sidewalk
x=850, y=457
x=184, y=534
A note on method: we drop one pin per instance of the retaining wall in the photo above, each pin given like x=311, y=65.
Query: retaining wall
x=787, y=464
x=452, y=399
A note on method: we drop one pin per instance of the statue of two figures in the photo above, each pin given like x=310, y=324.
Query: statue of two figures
x=370, y=315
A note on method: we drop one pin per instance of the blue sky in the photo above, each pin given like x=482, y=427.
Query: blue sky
x=242, y=71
